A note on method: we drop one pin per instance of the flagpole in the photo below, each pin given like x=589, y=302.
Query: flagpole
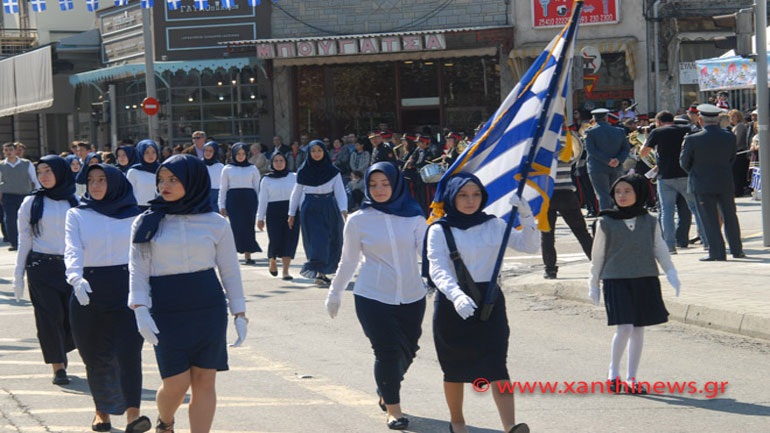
x=494, y=288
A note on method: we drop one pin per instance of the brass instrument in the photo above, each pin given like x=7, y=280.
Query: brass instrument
x=577, y=144
x=462, y=145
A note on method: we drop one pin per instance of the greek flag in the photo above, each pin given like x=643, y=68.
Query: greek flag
x=66, y=5
x=201, y=4
x=227, y=4
x=520, y=142
x=11, y=6
x=173, y=4
x=121, y=2
x=147, y=4
x=253, y=3
x=92, y=5
x=37, y=5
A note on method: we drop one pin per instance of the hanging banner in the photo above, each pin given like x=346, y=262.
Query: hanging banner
x=726, y=73
x=556, y=13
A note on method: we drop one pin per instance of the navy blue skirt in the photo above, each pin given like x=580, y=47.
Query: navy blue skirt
x=241, y=206
x=214, y=199
x=190, y=311
x=470, y=349
x=283, y=240
x=321, y=225
x=634, y=301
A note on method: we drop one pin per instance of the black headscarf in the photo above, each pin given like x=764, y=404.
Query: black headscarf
x=401, y=202
x=63, y=190
x=315, y=173
x=454, y=217
x=215, y=158
x=80, y=178
x=194, y=176
x=141, y=147
x=278, y=173
x=234, y=151
x=119, y=201
x=130, y=152
x=642, y=190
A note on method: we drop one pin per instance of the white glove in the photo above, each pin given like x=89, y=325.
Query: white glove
x=18, y=288
x=241, y=328
x=464, y=306
x=146, y=325
x=593, y=293
x=333, y=302
x=523, y=206
x=81, y=289
x=673, y=279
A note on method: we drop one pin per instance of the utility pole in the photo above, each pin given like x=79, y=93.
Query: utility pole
x=763, y=106
x=149, y=68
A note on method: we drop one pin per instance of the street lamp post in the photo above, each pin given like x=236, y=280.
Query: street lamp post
x=149, y=67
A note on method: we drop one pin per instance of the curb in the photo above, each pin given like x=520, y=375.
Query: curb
x=722, y=320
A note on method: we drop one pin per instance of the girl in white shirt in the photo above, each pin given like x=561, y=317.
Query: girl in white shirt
x=211, y=159
x=322, y=211
x=188, y=320
x=274, y=193
x=41, y=254
x=142, y=175
x=97, y=238
x=125, y=158
x=388, y=232
x=238, y=192
x=467, y=347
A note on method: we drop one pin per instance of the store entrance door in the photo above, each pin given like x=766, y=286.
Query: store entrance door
x=415, y=119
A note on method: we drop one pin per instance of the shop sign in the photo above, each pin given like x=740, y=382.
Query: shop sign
x=556, y=13
x=688, y=73
x=350, y=46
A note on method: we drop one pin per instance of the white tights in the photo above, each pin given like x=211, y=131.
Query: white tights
x=630, y=335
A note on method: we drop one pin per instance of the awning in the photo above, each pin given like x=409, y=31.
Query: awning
x=702, y=36
x=27, y=82
x=389, y=57
x=134, y=69
x=625, y=45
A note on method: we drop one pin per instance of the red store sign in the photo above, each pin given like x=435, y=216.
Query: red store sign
x=556, y=13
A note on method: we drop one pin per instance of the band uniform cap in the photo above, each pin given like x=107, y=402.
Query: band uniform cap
x=411, y=137
x=424, y=139
x=457, y=137
x=694, y=108
x=755, y=112
x=600, y=112
x=387, y=135
x=709, y=110
x=374, y=134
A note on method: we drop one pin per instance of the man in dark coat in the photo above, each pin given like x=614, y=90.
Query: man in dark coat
x=708, y=156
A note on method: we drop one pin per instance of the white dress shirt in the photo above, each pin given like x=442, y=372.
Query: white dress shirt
x=30, y=170
x=478, y=247
x=598, y=253
x=391, y=246
x=274, y=189
x=215, y=173
x=94, y=240
x=335, y=186
x=51, y=225
x=184, y=244
x=234, y=177
x=143, y=184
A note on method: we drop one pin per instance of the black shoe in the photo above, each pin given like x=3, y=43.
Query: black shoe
x=100, y=426
x=162, y=427
x=739, y=256
x=13, y=248
x=637, y=389
x=400, y=424
x=519, y=428
x=712, y=259
x=273, y=273
x=60, y=377
x=249, y=262
x=139, y=425
x=549, y=275
x=287, y=278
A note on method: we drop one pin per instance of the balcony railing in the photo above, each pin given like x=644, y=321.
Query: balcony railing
x=17, y=41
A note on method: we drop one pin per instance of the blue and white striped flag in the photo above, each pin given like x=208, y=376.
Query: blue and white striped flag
x=66, y=5
x=37, y=5
x=201, y=4
x=522, y=135
x=173, y=4
x=121, y=2
x=147, y=4
x=253, y=3
x=11, y=6
x=227, y=4
x=92, y=5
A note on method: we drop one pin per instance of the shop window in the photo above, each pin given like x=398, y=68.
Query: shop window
x=612, y=85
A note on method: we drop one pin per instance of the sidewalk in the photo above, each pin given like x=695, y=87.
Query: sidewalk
x=732, y=296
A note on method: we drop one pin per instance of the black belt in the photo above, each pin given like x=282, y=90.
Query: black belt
x=43, y=256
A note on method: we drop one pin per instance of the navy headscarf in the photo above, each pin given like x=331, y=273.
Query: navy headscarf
x=454, y=217
x=401, y=202
x=194, y=176
x=119, y=201
x=81, y=177
x=315, y=173
x=278, y=173
x=642, y=190
x=214, y=159
x=69, y=159
x=130, y=152
x=63, y=190
x=141, y=147
x=234, y=151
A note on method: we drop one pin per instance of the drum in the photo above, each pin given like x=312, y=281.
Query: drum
x=432, y=173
